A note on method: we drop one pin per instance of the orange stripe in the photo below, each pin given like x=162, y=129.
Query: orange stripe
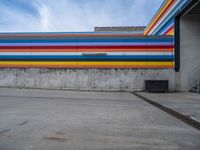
x=170, y=29
x=82, y=66
x=125, y=66
x=87, y=50
x=170, y=32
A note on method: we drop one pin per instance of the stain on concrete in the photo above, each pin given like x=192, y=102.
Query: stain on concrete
x=58, y=137
x=60, y=133
x=9, y=136
x=23, y=123
x=4, y=131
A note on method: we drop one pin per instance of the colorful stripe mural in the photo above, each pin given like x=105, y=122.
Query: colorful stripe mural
x=86, y=50
x=163, y=22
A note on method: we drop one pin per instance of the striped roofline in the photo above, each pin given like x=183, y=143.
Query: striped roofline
x=160, y=14
x=159, y=24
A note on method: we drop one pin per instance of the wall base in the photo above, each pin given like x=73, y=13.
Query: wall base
x=84, y=79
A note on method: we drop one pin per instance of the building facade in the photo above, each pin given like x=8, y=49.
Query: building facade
x=119, y=61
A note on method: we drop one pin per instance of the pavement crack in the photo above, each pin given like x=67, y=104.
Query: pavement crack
x=23, y=123
x=57, y=139
x=4, y=131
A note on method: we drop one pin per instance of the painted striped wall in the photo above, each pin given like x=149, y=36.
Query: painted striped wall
x=163, y=21
x=85, y=50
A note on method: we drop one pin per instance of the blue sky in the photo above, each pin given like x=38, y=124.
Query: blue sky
x=73, y=15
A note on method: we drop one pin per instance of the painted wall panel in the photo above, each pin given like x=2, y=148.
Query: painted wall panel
x=85, y=50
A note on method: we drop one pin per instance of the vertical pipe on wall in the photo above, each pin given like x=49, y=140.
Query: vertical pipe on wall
x=177, y=43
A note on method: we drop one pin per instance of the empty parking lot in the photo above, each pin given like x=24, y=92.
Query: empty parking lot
x=50, y=119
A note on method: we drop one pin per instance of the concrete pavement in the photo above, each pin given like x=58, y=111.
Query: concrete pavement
x=187, y=104
x=50, y=119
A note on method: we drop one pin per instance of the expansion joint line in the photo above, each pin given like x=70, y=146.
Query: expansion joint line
x=183, y=118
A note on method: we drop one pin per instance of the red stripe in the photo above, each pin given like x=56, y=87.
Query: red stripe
x=172, y=27
x=89, y=47
x=88, y=50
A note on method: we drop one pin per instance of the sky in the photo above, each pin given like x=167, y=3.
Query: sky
x=73, y=15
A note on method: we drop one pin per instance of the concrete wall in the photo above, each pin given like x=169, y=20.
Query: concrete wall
x=84, y=79
x=189, y=49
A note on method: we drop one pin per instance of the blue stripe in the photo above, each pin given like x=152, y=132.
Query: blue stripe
x=166, y=27
x=85, y=40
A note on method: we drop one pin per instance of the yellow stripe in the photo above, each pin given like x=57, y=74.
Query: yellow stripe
x=124, y=63
x=35, y=63
x=49, y=63
x=158, y=15
x=170, y=33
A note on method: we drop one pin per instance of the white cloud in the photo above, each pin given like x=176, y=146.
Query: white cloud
x=79, y=15
x=45, y=18
x=16, y=21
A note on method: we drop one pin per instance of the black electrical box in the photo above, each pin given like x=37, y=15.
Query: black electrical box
x=157, y=86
